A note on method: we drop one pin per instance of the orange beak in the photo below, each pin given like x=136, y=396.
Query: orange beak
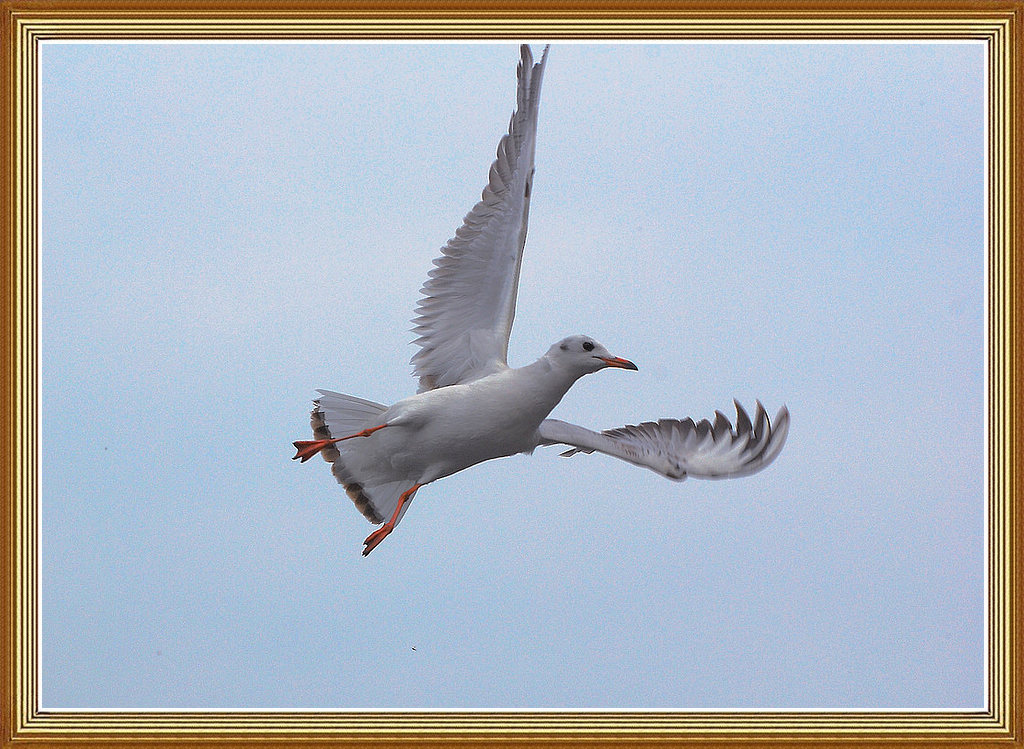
x=615, y=361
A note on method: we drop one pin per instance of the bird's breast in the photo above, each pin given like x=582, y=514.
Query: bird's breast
x=458, y=426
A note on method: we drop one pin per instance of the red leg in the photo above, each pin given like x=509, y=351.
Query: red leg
x=381, y=533
x=308, y=448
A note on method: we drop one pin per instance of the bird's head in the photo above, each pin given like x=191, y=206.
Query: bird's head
x=581, y=353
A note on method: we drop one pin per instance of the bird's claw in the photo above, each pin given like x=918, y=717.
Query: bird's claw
x=376, y=537
x=306, y=449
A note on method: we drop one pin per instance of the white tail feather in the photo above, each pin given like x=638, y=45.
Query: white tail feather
x=339, y=415
x=346, y=414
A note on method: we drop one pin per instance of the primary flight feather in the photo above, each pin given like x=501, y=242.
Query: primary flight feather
x=471, y=406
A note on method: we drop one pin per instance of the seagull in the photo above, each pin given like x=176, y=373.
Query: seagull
x=471, y=406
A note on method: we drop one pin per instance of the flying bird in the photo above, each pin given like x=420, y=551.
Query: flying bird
x=471, y=406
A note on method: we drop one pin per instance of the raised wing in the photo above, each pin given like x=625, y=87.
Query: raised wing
x=469, y=300
x=677, y=449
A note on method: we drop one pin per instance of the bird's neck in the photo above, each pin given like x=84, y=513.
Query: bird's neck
x=548, y=381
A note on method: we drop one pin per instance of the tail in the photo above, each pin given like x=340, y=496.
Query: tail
x=336, y=415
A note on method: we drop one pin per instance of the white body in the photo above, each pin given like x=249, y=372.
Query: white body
x=439, y=432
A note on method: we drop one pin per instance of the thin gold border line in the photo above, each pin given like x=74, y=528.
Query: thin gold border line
x=995, y=381
x=31, y=393
x=326, y=24
x=999, y=485
x=1003, y=247
x=30, y=721
x=27, y=653
x=472, y=724
x=29, y=328
x=993, y=367
x=27, y=175
x=27, y=650
x=1004, y=650
x=372, y=31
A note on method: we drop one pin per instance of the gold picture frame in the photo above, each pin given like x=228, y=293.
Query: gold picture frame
x=26, y=22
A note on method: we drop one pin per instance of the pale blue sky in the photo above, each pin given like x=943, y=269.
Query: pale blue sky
x=227, y=227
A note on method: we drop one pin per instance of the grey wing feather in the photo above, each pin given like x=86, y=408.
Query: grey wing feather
x=469, y=300
x=680, y=448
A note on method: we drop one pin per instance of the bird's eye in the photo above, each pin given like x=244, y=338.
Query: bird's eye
x=588, y=346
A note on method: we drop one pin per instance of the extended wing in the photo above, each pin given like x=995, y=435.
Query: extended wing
x=677, y=449
x=469, y=300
